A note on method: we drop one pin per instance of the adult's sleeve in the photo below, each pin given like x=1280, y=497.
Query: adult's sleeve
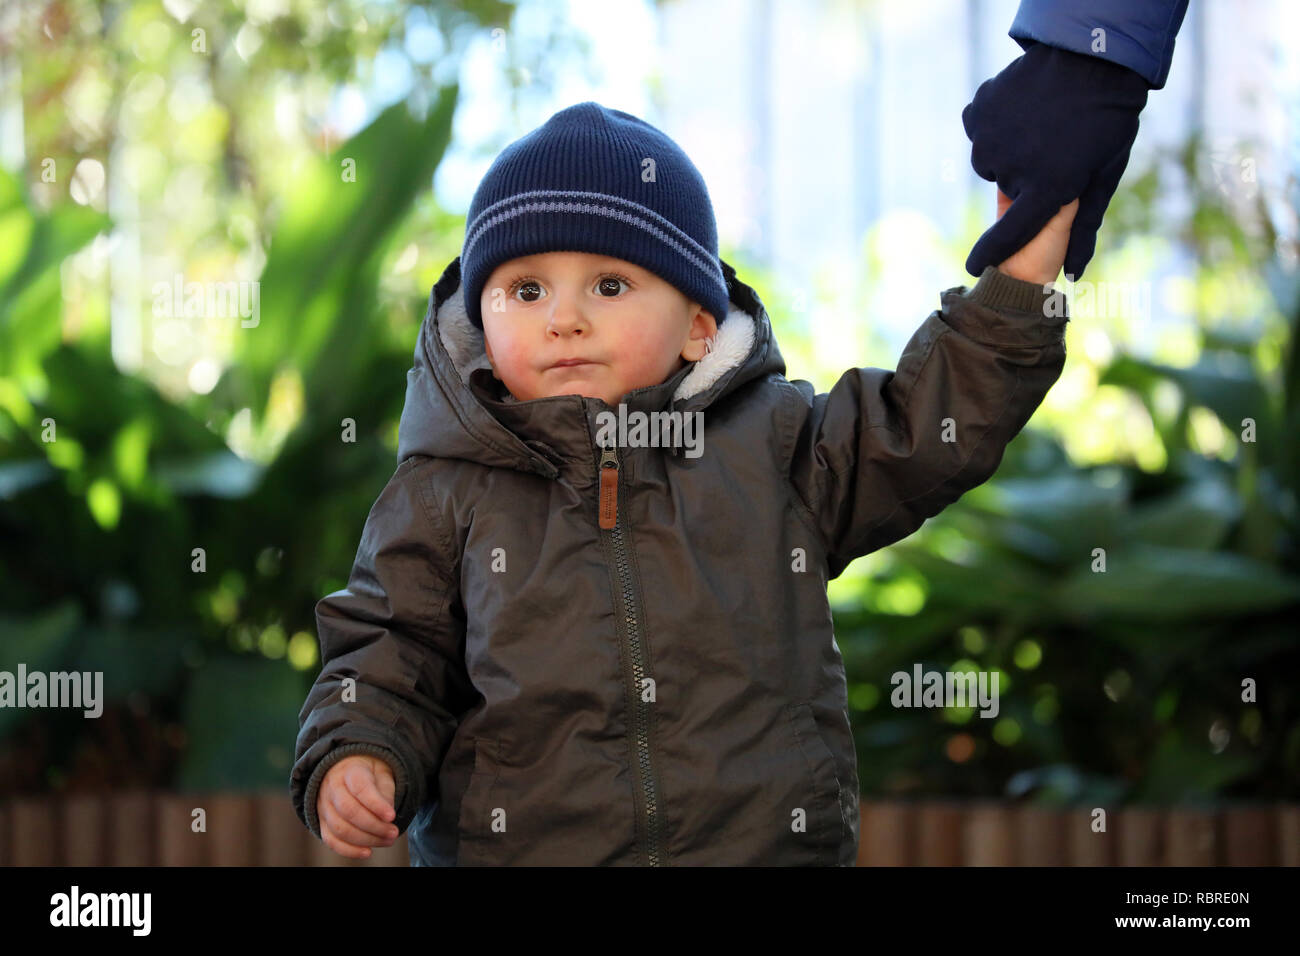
x=883, y=451
x=1138, y=34
x=397, y=631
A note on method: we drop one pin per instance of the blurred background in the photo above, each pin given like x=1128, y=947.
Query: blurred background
x=175, y=496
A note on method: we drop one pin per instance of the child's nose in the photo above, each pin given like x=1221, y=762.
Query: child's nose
x=567, y=318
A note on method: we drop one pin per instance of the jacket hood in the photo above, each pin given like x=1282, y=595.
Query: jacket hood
x=455, y=408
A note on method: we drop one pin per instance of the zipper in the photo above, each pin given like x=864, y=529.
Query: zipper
x=631, y=632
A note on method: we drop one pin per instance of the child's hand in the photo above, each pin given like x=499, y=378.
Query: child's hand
x=355, y=805
x=1041, y=259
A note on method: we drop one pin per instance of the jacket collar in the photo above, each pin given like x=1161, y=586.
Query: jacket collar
x=546, y=424
x=456, y=408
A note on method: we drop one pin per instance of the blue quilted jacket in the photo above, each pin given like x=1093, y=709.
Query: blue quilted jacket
x=1138, y=33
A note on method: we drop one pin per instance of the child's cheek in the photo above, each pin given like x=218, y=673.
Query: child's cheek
x=513, y=365
x=645, y=346
x=507, y=352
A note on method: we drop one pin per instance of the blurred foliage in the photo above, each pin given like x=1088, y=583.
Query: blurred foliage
x=108, y=487
x=1117, y=685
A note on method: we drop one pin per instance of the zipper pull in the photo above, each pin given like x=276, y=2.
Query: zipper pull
x=608, y=488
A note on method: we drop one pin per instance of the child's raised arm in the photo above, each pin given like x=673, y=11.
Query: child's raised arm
x=883, y=451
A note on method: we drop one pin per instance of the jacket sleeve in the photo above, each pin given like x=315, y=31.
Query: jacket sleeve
x=397, y=629
x=883, y=451
x=1139, y=34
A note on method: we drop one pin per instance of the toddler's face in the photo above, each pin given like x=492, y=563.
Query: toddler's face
x=630, y=327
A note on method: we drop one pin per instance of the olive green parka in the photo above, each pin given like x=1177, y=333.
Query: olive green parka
x=661, y=687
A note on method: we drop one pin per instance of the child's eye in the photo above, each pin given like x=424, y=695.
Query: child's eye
x=606, y=288
x=610, y=283
x=524, y=283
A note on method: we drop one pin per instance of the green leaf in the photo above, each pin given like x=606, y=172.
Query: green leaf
x=30, y=285
x=1147, y=582
x=318, y=289
x=1224, y=382
x=1196, y=516
x=1070, y=509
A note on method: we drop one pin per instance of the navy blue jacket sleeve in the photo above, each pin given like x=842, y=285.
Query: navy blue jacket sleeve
x=1139, y=34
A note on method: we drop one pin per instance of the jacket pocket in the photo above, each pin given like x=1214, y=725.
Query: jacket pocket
x=824, y=813
x=480, y=823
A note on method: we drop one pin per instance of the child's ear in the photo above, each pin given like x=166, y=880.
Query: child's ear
x=702, y=329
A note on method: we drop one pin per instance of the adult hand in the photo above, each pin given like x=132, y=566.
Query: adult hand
x=1054, y=125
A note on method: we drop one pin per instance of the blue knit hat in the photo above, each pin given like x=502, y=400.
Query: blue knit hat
x=596, y=180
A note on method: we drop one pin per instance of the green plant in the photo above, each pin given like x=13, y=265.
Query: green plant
x=103, y=506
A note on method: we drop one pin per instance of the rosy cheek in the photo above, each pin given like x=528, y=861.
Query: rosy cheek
x=523, y=359
x=642, y=347
x=507, y=354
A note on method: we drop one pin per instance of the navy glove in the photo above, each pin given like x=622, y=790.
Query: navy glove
x=1052, y=127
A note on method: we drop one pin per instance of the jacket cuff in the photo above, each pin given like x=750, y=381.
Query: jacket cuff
x=997, y=290
x=406, y=799
x=1143, y=45
x=1004, y=311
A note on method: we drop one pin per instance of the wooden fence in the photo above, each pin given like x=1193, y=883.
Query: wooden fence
x=140, y=828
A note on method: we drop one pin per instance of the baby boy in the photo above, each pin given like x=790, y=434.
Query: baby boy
x=564, y=644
